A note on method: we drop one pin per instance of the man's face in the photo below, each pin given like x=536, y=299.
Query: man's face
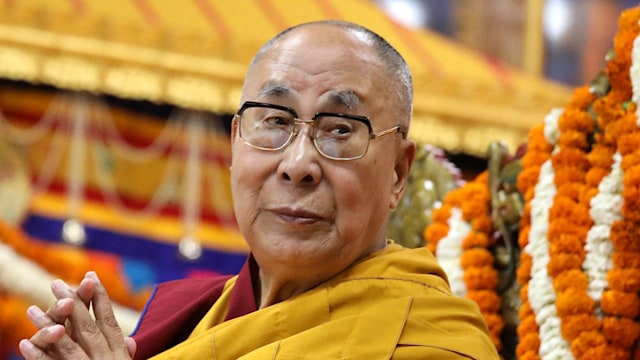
x=296, y=209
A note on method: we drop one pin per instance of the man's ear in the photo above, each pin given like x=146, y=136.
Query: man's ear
x=401, y=171
x=234, y=131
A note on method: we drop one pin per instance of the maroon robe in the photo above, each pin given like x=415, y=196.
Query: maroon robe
x=175, y=308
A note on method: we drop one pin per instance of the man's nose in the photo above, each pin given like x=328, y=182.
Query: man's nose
x=300, y=159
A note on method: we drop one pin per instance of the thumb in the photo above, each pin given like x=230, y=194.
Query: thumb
x=131, y=345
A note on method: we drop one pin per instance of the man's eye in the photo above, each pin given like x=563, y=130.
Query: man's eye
x=276, y=121
x=341, y=130
x=335, y=128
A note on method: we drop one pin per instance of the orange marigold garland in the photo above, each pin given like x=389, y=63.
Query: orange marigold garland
x=620, y=301
x=591, y=223
x=471, y=204
x=540, y=144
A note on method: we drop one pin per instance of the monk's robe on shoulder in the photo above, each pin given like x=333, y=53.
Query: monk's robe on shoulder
x=393, y=304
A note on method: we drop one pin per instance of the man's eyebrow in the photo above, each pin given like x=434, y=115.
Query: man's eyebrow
x=347, y=98
x=272, y=88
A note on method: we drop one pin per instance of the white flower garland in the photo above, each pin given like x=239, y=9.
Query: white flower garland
x=449, y=251
x=606, y=209
x=542, y=296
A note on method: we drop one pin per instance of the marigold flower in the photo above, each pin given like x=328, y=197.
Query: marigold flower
x=623, y=236
x=537, y=142
x=524, y=292
x=604, y=352
x=527, y=178
x=436, y=231
x=481, y=278
x=620, y=303
x=474, y=209
x=585, y=341
x=625, y=280
x=567, y=226
x=575, y=119
x=573, y=301
x=569, y=190
x=586, y=194
x=631, y=204
x=487, y=300
x=628, y=143
x=573, y=325
x=574, y=158
x=528, y=195
x=454, y=197
x=476, y=257
x=523, y=236
x=624, y=125
x=573, y=139
x=564, y=262
x=475, y=239
x=595, y=175
x=567, y=243
x=528, y=343
x=601, y=156
x=482, y=224
x=573, y=278
x=562, y=207
x=525, y=311
x=529, y=355
x=568, y=174
x=626, y=259
x=441, y=214
x=608, y=111
x=620, y=332
x=630, y=160
x=534, y=159
x=581, y=98
x=631, y=176
x=523, y=272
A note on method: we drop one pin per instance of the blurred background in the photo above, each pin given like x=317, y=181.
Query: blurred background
x=114, y=121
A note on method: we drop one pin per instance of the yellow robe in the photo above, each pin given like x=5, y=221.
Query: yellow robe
x=394, y=304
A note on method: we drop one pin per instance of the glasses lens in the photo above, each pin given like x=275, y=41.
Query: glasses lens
x=265, y=127
x=341, y=138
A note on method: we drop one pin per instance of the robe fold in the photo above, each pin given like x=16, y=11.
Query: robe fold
x=393, y=304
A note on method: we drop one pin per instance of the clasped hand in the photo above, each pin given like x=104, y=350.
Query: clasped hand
x=67, y=330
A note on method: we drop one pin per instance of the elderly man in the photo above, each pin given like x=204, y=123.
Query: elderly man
x=320, y=155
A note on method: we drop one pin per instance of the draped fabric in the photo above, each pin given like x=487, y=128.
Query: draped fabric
x=393, y=304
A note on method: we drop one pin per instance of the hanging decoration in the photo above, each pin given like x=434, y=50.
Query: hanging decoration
x=460, y=236
x=580, y=264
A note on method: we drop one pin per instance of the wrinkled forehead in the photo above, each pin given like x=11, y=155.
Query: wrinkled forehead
x=346, y=98
x=339, y=63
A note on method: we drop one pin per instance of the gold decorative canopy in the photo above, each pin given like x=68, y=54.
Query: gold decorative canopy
x=194, y=54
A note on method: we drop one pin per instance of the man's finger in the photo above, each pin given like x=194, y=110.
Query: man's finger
x=31, y=352
x=41, y=343
x=61, y=344
x=105, y=318
x=85, y=331
x=85, y=290
x=57, y=314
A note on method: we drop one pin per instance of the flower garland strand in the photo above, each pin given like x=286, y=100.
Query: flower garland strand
x=620, y=302
x=581, y=238
x=449, y=251
x=536, y=183
x=569, y=224
x=447, y=236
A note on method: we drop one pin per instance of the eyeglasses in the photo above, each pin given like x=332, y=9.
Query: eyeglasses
x=336, y=136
